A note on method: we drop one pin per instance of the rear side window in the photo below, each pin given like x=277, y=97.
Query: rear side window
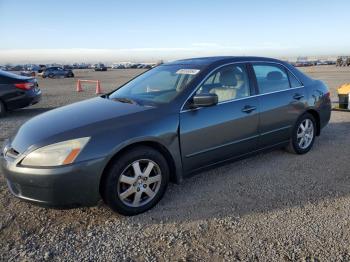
x=294, y=82
x=271, y=78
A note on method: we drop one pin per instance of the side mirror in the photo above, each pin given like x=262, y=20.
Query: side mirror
x=203, y=100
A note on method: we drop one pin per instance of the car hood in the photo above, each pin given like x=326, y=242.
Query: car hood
x=72, y=120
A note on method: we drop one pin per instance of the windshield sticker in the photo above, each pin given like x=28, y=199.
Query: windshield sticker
x=187, y=71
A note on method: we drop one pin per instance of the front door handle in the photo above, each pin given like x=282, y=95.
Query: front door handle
x=248, y=109
x=298, y=96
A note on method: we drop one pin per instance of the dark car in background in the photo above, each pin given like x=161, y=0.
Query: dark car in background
x=164, y=125
x=68, y=67
x=41, y=68
x=56, y=71
x=17, y=91
x=100, y=67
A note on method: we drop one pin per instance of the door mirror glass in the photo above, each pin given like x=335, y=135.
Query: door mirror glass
x=204, y=100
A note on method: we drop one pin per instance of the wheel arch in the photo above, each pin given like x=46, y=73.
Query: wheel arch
x=316, y=115
x=155, y=145
x=3, y=102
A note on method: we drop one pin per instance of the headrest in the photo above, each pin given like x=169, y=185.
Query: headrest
x=227, y=78
x=274, y=75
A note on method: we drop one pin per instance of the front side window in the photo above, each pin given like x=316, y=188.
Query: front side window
x=228, y=83
x=159, y=85
x=271, y=78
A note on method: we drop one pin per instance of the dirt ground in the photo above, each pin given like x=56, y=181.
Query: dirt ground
x=271, y=207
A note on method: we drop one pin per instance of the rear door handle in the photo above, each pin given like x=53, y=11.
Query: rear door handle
x=298, y=96
x=248, y=109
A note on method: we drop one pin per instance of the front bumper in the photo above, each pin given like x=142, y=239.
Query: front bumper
x=67, y=186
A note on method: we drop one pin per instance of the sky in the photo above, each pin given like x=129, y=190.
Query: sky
x=111, y=31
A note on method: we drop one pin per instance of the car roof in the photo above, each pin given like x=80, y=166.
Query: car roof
x=207, y=61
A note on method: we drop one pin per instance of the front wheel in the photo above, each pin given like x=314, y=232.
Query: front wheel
x=136, y=181
x=303, y=136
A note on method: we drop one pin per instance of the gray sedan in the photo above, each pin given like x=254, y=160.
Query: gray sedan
x=172, y=121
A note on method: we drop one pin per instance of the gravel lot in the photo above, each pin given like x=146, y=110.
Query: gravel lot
x=271, y=207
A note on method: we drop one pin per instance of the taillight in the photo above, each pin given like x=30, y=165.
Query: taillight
x=24, y=86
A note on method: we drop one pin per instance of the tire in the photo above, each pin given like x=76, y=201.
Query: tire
x=296, y=145
x=2, y=109
x=51, y=75
x=129, y=192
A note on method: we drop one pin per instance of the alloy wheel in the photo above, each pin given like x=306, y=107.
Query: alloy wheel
x=305, y=133
x=139, y=183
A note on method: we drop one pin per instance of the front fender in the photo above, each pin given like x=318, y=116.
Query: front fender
x=162, y=131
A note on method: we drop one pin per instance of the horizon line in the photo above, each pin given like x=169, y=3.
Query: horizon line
x=91, y=55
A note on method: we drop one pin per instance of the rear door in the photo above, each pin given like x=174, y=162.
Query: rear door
x=282, y=100
x=217, y=133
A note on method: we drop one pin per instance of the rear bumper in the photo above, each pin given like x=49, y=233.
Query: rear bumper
x=68, y=186
x=325, y=113
x=28, y=98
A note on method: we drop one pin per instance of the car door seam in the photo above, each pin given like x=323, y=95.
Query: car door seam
x=221, y=146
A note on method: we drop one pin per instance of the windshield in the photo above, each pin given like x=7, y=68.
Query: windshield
x=158, y=85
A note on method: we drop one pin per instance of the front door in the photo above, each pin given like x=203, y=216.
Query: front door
x=229, y=129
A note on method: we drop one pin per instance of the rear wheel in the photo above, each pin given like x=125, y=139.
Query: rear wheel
x=136, y=181
x=303, y=136
x=2, y=109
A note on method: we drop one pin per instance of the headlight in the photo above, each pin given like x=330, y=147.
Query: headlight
x=62, y=153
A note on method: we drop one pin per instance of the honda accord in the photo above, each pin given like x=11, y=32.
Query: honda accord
x=171, y=121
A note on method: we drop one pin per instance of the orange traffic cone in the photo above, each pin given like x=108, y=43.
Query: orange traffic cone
x=98, y=88
x=79, y=89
